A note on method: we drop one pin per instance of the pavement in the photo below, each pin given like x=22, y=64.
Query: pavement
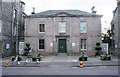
x=60, y=61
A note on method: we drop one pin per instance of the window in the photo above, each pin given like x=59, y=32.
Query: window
x=0, y=26
x=83, y=27
x=41, y=44
x=62, y=27
x=41, y=27
x=14, y=30
x=15, y=14
x=83, y=44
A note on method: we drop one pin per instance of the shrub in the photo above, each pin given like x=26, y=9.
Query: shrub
x=98, y=49
x=27, y=49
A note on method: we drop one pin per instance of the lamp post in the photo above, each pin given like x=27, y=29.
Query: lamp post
x=110, y=44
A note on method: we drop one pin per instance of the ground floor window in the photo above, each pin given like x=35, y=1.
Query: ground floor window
x=83, y=44
x=41, y=44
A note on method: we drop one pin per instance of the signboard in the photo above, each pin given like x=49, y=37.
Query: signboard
x=73, y=44
x=105, y=48
x=21, y=47
x=51, y=44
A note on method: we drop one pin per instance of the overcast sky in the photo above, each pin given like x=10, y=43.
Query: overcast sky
x=103, y=7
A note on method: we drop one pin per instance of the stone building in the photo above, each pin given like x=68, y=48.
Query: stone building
x=0, y=28
x=12, y=18
x=63, y=31
x=115, y=27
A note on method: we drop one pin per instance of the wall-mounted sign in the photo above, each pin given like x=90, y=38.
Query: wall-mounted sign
x=73, y=44
x=51, y=44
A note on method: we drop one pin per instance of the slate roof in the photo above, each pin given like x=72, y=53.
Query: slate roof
x=53, y=13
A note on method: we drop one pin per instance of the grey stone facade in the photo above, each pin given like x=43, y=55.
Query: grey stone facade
x=72, y=35
x=115, y=27
x=119, y=27
x=12, y=18
x=0, y=27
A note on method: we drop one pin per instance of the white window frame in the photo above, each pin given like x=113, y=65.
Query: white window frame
x=62, y=27
x=39, y=28
x=83, y=27
x=83, y=43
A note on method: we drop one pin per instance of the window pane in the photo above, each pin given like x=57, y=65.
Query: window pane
x=41, y=43
x=62, y=27
x=42, y=46
x=62, y=30
x=41, y=27
x=14, y=30
x=83, y=27
x=83, y=44
x=0, y=26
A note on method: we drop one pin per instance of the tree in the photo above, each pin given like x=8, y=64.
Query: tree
x=107, y=37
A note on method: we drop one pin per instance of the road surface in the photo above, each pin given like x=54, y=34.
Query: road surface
x=56, y=70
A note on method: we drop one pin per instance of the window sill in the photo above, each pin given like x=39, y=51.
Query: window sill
x=41, y=32
x=83, y=32
x=83, y=49
x=41, y=49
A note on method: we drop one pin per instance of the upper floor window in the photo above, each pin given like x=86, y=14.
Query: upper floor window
x=14, y=14
x=62, y=27
x=41, y=27
x=14, y=30
x=83, y=27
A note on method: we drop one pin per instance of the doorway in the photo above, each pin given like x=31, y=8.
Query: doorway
x=62, y=46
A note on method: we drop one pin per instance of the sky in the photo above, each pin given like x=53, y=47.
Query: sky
x=103, y=7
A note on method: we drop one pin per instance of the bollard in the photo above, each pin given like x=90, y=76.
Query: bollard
x=7, y=64
x=81, y=64
x=26, y=62
x=18, y=63
x=38, y=61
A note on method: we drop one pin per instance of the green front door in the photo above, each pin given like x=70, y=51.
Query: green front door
x=62, y=45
